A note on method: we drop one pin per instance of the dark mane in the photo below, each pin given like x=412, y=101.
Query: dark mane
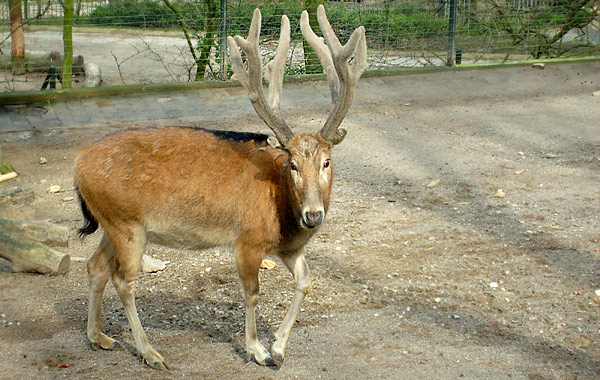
x=238, y=136
x=260, y=138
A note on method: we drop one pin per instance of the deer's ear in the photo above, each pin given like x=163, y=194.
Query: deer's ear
x=339, y=136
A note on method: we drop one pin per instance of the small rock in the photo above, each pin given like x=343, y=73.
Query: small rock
x=43, y=160
x=68, y=199
x=597, y=292
x=54, y=189
x=519, y=172
x=433, y=184
x=268, y=264
x=152, y=265
x=93, y=75
x=551, y=155
x=596, y=93
x=539, y=66
x=493, y=285
x=437, y=300
x=500, y=194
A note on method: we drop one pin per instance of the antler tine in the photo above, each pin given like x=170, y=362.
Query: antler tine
x=342, y=76
x=275, y=68
x=323, y=53
x=252, y=79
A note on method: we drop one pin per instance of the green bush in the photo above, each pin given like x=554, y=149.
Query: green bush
x=132, y=13
x=384, y=27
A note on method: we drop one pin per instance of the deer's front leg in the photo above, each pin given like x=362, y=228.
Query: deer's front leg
x=248, y=265
x=296, y=263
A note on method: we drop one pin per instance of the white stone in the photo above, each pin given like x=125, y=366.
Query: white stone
x=93, y=75
x=151, y=265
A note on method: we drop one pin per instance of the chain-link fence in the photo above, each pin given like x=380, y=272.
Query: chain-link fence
x=158, y=41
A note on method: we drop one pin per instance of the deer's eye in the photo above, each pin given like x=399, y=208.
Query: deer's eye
x=293, y=166
x=326, y=163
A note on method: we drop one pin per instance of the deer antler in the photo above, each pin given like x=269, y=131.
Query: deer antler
x=252, y=79
x=342, y=76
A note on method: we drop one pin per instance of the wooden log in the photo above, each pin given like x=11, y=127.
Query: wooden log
x=43, y=232
x=29, y=256
x=7, y=176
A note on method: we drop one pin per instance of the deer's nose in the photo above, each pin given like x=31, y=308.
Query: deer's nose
x=313, y=219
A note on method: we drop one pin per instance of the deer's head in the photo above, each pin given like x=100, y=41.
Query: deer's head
x=309, y=162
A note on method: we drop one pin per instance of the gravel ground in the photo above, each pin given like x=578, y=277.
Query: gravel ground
x=462, y=241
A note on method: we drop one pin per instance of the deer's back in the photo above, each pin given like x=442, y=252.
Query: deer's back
x=186, y=187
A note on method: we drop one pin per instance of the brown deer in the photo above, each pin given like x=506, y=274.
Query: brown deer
x=197, y=188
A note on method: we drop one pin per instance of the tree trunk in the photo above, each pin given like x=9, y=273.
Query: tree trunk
x=312, y=64
x=29, y=256
x=212, y=15
x=68, y=44
x=17, y=37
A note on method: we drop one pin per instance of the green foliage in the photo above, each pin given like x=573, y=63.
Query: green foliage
x=400, y=22
x=240, y=16
x=132, y=13
x=5, y=166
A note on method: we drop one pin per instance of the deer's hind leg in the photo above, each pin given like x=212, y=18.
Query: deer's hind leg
x=129, y=247
x=100, y=267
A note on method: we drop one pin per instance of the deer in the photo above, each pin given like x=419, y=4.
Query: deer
x=196, y=188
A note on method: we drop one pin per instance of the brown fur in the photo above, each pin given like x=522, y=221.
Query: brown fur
x=190, y=188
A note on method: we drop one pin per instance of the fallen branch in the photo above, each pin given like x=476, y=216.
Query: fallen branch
x=7, y=176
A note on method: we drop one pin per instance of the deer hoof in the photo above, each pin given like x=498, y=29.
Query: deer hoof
x=161, y=365
x=277, y=358
x=267, y=361
x=111, y=345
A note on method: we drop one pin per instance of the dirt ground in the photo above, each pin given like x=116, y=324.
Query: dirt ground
x=421, y=270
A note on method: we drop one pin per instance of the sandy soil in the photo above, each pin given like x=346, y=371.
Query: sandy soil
x=411, y=281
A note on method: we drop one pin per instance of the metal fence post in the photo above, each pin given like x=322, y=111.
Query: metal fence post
x=451, y=33
x=223, y=44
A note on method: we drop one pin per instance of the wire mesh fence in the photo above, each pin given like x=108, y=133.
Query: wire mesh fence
x=157, y=41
